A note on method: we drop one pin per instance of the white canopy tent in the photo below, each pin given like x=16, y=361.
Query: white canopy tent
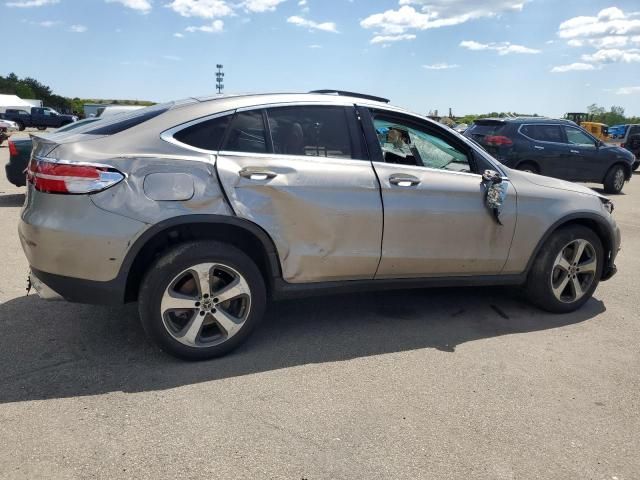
x=13, y=101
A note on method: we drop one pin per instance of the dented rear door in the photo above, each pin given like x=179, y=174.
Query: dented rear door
x=314, y=194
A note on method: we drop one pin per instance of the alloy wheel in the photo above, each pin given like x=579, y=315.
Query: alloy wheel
x=618, y=181
x=574, y=271
x=205, y=305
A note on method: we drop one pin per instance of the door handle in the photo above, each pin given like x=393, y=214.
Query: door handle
x=575, y=151
x=256, y=173
x=538, y=147
x=404, y=180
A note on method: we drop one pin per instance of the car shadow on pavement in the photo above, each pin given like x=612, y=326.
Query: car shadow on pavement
x=12, y=200
x=56, y=349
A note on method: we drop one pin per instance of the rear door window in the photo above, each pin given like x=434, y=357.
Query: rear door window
x=247, y=133
x=207, y=135
x=315, y=131
x=543, y=133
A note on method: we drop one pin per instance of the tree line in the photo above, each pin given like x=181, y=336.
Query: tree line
x=31, y=88
x=615, y=116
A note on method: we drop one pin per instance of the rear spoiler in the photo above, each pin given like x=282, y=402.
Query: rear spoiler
x=490, y=121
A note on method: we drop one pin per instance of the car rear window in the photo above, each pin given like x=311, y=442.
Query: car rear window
x=124, y=121
x=485, y=128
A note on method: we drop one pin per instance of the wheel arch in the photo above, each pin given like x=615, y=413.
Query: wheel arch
x=244, y=234
x=531, y=162
x=625, y=166
x=586, y=219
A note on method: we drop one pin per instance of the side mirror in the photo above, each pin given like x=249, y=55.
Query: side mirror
x=495, y=192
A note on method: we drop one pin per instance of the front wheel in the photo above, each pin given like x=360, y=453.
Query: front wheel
x=201, y=300
x=567, y=270
x=614, y=180
x=21, y=126
x=41, y=128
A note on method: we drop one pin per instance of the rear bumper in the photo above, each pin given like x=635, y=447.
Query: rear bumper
x=50, y=286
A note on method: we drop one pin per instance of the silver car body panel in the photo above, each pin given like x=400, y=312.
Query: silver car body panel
x=441, y=227
x=325, y=216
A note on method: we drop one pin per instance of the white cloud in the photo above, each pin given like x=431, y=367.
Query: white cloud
x=173, y=58
x=201, y=8
x=613, y=55
x=610, y=21
x=573, y=67
x=303, y=22
x=31, y=3
x=440, y=66
x=178, y=35
x=261, y=5
x=221, y=8
x=315, y=46
x=143, y=6
x=610, y=33
x=436, y=14
x=503, y=48
x=392, y=38
x=302, y=3
x=78, y=28
x=628, y=90
x=215, y=27
x=48, y=23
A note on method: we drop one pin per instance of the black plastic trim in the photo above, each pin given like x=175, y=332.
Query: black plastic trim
x=284, y=290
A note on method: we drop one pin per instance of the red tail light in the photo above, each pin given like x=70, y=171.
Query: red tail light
x=13, y=151
x=54, y=177
x=498, y=141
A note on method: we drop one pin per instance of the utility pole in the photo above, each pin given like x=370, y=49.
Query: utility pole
x=219, y=78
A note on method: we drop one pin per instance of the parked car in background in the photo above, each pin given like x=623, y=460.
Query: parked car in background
x=461, y=127
x=556, y=148
x=7, y=127
x=39, y=117
x=598, y=130
x=617, y=131
x=631, y=141
x=203, y=210
x=20, y=152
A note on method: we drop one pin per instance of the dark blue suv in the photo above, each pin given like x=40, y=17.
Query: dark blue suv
x=556, y=148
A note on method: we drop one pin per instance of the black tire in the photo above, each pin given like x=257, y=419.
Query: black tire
x=172, y=263
x=539, y=281
x=528, y=167
x=612, y=182
x=635, y=165
x=20, y=126
x=41, y=128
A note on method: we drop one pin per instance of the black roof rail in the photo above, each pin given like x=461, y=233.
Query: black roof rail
x=344, y=93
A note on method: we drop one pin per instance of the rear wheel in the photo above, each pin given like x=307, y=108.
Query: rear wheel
x=41, y=128
x=20, y=126
x=201, y=300
x=528, y=167
x=614, y=180
x=567, y=270
x=635, y=165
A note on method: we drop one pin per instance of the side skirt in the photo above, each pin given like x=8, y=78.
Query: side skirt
x=283, y=290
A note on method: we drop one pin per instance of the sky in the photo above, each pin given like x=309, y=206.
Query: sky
x=475, y=56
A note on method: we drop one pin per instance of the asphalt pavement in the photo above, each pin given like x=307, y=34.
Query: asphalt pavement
x=442, y=383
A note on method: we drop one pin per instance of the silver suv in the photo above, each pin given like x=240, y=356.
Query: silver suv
x=203, y=210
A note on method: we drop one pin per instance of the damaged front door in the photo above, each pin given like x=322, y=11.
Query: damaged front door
x=306, y=181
